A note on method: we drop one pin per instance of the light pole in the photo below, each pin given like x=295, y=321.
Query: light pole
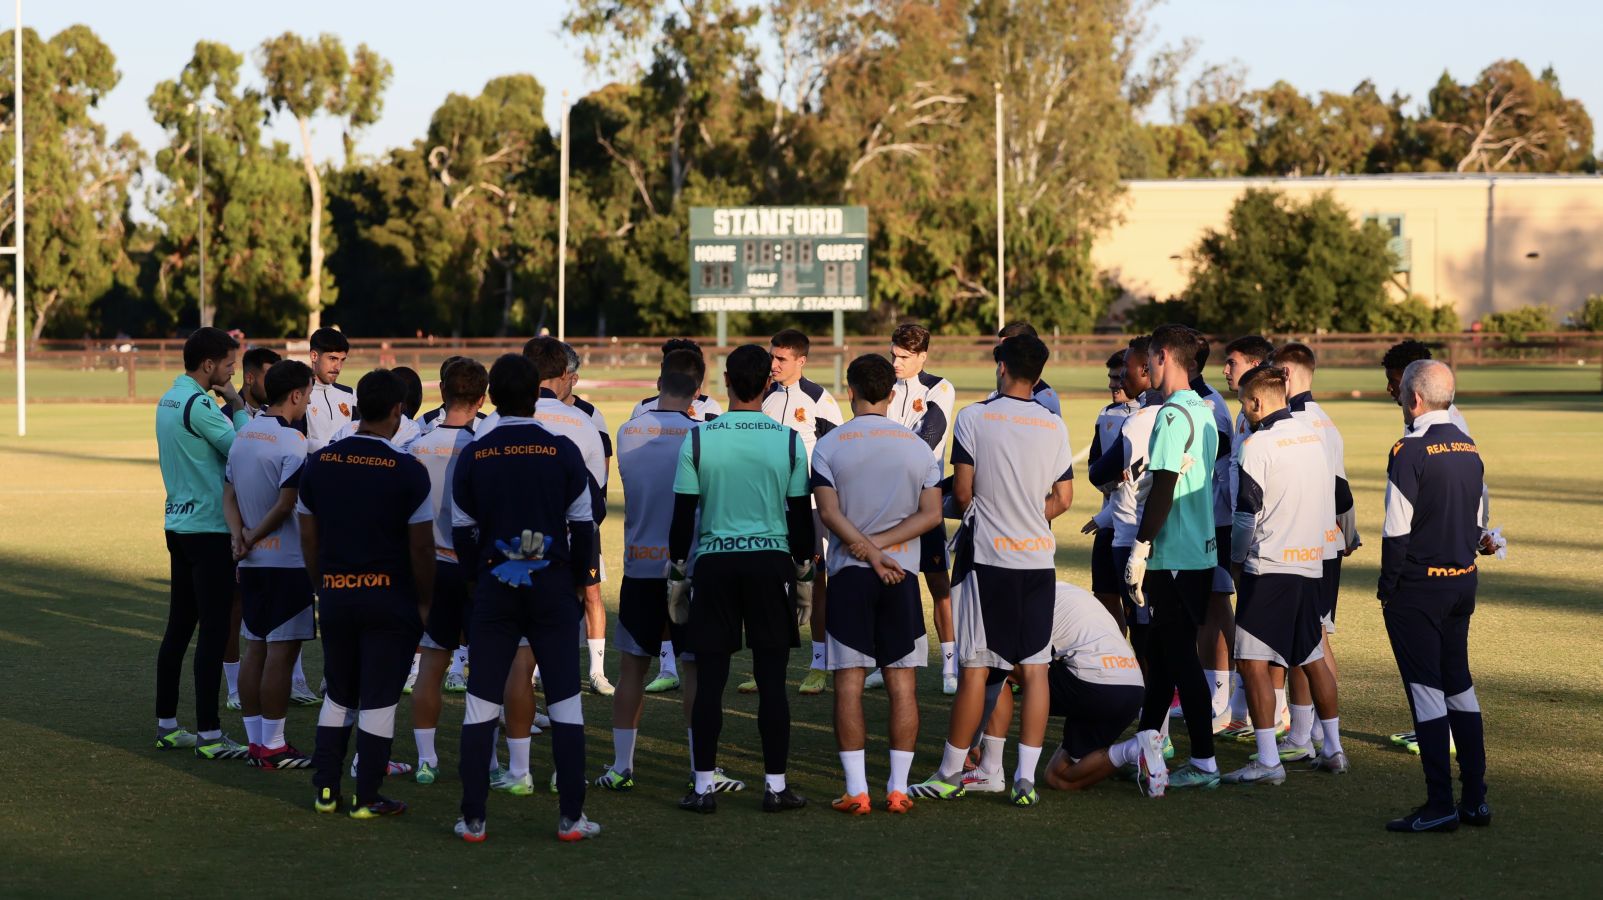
x=201, y=111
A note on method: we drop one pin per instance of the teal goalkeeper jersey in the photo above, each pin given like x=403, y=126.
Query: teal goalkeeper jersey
x=744, y=466
x=193, y=437
x=1185, y=428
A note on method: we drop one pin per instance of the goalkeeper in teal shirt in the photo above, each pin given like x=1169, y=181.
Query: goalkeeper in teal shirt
x=193, y=436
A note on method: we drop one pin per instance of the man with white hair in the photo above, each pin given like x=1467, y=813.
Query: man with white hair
x=1427, y=594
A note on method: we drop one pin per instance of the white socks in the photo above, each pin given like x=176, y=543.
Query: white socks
x=1029, y=758
x=518, y=756
x=1332, y=730
x=856, y=776
x=166, y=724
x=272, y=733
x=703, y=782
x=1281, y=713
x=667, y=662
x=425, y=746
x=948, y=658
x=1238, y=700
x=1268, y=753
x=253, y=729
x=417, y=657
x=1205, y=764
x=598, y=655
x=231, y=672
x=952, y=759
x=623, y=749
x=818, y=655
x=459, y=660
x=991, y=753
x=1302, y=724
x=901, y=764
x=299, y=675
x=775, y=783
x=1219, y=690
x=1125, y=752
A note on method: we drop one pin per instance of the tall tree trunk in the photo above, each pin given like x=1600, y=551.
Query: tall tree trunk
x=7, y=300
x=314, y=272
x=506, y=300
x=42, y=315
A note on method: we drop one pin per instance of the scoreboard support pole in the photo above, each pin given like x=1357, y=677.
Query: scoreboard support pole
x=840, y=344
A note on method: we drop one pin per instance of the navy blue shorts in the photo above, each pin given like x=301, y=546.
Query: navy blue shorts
x=932, y=550
x=1094, y=715
x=872, y=624
x=742, y=594
x=1329, y=592
x=275, y=604
x=1004, y=616
x=642, y=615
x=1105, y=576
x=448, y=615
x=1276, y=619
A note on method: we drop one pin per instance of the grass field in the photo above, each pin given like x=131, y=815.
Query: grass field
x=90, y=809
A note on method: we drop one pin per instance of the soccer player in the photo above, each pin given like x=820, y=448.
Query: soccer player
x=746, y=475
x=1105, y=578
x=648, y=460
x=262, y=482
x=525, y=534
x=333, y=404
x=1121, y=472
x=703, y=407
x=805, y=406
x=438, y=449
x=1434, y=515
x=1012, y=475
x=193, y=439
x=1241, y=356
x=253, y=366
x=1095, y=685
x=412, y=401
x=367, y=536
x=595, y=614
x=1341, y=536
x=433, y=417
x=1172, y=562
x=926, y=403
x=1218, y=627
x=1283, y=508
x=878, y=491
x=1040, y=392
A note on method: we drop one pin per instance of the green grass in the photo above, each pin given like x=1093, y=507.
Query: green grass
x=90, y=809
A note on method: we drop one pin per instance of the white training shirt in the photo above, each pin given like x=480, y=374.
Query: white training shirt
x=437, y=449
x=702, y=409
x=648, y=458
x=598, y=420
x=405, y=433
x=878, y=468
x=927, y=404
x=1286, y=507
x=1105, y=438
x=267, y=457
x=1130, y=497
x=1086, y=640
x=1018, y=451
x=1043, y=394
x=806, y=407
x=332, y=407
x=1304, y=409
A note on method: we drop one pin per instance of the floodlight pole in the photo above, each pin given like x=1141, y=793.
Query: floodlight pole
x=200, y=203
x=562, y=234
x=1001, y=244
x=17, y=250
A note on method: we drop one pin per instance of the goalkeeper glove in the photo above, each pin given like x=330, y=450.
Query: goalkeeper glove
x=1135, y=571
x=805, y=573
x=524, y=556
x=678, y=592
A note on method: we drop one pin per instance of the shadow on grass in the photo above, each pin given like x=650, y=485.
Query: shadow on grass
x=77, y=457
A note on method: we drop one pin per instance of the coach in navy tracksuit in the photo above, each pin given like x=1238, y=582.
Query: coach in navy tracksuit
x=521, y=479
x=1427, y=594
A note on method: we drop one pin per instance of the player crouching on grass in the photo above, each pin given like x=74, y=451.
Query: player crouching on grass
x=368, y=539
x=877, y=489
x=1283, y=508
x=261, y=484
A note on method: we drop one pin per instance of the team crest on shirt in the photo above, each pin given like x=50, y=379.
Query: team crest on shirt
x=918, y=405
x=801, y=415
x=345, y=409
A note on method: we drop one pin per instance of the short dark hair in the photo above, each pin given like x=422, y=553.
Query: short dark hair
x=1024, y=355
x=1261, y=379
x=1176, y=341
x=379, y=391
x=514, y=383
x=463, y=381
x=205, y=344
x=1139, y=347
x=872, y=377
x=1403, y=353
x=258, y=358
x=748, y=369
x=912, y=337
x=1116, y=361
x=549, y=356
x=446, y=365
x=1294, y=353
x=1014, y=329
x=329, y=340
x=412, y=401
x=285, y=376
x=792, y=340
x=672, y=344
x=1255, y=347
x=682, y=373
x=1202, y=347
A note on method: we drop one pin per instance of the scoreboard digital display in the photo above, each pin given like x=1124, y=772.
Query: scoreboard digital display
x=779, y=259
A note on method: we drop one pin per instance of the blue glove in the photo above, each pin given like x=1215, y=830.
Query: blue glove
x=524, y=556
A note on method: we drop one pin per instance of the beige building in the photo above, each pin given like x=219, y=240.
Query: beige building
x=1482, y=243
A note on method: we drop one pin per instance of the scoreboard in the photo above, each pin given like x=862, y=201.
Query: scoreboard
x=779, y=259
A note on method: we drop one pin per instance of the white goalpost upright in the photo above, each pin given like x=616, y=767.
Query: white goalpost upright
x=15, y=250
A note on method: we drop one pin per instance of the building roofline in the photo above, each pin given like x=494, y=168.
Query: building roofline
x=1414, y=179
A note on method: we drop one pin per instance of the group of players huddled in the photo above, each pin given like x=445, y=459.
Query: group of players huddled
x=456, y=551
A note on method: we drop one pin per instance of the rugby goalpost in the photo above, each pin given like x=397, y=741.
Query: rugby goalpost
x=15, y=250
